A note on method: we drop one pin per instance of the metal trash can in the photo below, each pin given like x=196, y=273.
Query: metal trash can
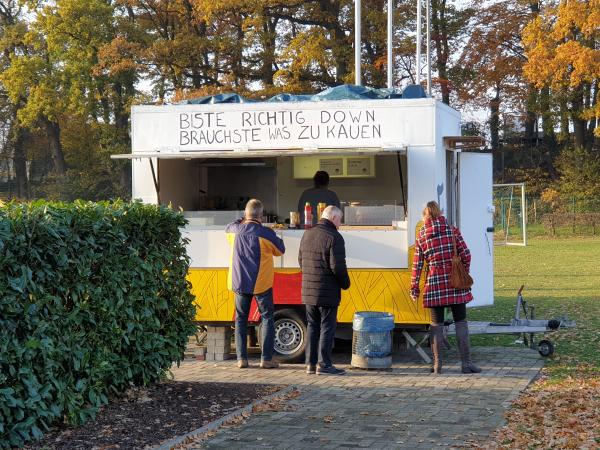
x=372, y=340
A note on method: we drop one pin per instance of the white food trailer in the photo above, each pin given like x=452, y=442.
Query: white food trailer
x=386, y=159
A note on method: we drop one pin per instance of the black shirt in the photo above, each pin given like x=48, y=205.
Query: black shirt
x=314, y=196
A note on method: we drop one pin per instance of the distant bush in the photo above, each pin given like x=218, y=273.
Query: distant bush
x=93, y=299
x=572, y=222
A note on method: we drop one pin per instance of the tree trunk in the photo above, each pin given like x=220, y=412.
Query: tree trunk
x=592, y=98
x=268, y=56
x=120, y=113
x=495, y=121
x=58, y=158
x=126, y=179
x=105, y=106
x=579, y=124
x=534, y=7
x=20, y=162
x=341, y=53
x=564, y=121
x=578, y=131
x=547, y=121
x=237, y=62
x=440, y=41
x=341, y=50
x=530, y=117
x=497, y=152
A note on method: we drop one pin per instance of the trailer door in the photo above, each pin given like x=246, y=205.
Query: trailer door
x=475, y=220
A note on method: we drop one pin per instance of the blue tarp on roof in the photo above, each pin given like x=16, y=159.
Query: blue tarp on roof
x=343, y=92
x=291, y=98
x=349, y=92
x=214, y=99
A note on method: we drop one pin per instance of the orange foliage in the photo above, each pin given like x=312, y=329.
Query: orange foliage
x=563, y=51
x=565, y=415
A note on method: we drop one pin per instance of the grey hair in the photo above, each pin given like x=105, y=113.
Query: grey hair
x=331, y=212
x=254, y=209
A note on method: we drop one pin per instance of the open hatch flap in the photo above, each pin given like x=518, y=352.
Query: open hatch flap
x=169, y=154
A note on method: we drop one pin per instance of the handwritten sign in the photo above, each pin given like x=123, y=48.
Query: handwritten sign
x=202, y=129
x=194, y=128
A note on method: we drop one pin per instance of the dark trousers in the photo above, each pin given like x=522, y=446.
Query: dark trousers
x=459, y=313
x=322, y=322
x=267, y=332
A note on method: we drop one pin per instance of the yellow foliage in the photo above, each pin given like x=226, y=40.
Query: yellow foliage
x=550, y=197
x=562, y=49
x=561, y=45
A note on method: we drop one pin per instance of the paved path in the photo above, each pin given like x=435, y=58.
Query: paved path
x=403, y=408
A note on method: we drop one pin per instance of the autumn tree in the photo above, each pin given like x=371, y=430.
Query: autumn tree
x=56, y=82
x=491, y=61
x=562, y=47
x=492, y=78
x=12, y=30
x=448, y=27
x=71, y=69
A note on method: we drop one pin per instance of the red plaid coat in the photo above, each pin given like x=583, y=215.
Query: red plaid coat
x=434, y=246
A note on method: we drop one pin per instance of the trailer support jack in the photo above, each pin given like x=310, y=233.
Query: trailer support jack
x=412, y=343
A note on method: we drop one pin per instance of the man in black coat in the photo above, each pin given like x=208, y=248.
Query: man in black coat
x=322, y=258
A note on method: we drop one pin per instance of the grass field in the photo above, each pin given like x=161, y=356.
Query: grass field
x=561, y=276
x=537, y=230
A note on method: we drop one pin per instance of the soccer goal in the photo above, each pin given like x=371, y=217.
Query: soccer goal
x=510, y=216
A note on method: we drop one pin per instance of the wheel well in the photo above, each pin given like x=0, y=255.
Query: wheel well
x=298, y=309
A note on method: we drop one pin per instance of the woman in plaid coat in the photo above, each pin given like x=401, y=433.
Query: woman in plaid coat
x=434, y=245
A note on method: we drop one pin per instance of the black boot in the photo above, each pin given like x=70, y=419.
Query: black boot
x=464, y=348
x=436, y=336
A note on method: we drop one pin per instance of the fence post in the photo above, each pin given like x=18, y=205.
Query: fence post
x=524, y=214
x=573, y=226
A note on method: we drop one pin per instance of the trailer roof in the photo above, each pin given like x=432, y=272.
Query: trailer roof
x=342, y=92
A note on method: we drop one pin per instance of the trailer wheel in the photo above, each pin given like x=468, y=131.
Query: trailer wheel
x=290, y=336
x=545, y=347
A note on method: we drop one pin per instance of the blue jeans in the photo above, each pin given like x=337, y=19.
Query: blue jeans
x=322, y=322
x=242, y=309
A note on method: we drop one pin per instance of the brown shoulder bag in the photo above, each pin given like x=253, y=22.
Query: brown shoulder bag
x=459, y=277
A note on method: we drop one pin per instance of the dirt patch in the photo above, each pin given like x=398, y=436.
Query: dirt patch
x=146, y=417
x=279, y=403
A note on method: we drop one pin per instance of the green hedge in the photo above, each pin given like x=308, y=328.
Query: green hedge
x=93, y=299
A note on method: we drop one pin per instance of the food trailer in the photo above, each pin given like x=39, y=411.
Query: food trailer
x=386, y=158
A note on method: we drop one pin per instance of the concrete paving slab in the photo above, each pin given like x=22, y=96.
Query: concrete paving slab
x=406, y=407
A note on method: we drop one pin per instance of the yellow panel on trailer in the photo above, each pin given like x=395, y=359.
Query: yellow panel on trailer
x=371, y=290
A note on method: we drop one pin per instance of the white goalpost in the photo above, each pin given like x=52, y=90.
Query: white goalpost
x=510, y=217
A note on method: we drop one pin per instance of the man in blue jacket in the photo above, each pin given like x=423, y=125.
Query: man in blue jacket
x=251, y=275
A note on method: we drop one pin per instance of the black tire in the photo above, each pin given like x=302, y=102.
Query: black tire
x=554, y=324
x=290, y=336
x=545, y=348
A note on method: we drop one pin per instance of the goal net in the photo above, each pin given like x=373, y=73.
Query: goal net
x=510, y=216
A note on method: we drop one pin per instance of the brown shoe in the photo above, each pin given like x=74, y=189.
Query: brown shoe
x=242, y=363
x=269, y=365
x=311, y=369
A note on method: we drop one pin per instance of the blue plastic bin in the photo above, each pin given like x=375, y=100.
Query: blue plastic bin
x=372, y=334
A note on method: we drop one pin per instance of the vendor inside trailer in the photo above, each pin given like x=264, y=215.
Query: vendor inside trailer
x=317, y=196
